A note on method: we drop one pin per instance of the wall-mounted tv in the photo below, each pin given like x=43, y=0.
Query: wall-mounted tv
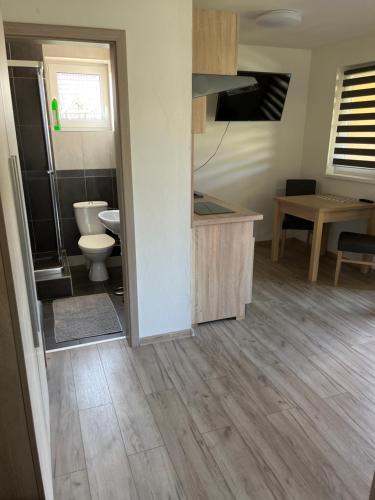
x=262, y=102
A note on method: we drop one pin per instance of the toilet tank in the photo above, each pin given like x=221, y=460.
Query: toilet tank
x=86, y=215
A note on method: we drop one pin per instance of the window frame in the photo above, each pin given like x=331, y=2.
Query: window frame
x=53, y=65
x=358, y=174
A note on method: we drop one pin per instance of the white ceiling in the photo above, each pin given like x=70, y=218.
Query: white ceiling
x=324, y=21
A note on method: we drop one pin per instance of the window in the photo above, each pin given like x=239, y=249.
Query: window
x=82, y=91
x=352, y=146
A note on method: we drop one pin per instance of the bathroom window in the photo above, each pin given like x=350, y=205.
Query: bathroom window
x=82, y=90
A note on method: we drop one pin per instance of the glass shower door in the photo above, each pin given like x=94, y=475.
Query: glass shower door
x=39, y=179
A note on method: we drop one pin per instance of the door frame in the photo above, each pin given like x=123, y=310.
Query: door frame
x=117, y=42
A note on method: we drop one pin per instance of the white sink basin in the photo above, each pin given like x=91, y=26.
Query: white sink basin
x=111, y=220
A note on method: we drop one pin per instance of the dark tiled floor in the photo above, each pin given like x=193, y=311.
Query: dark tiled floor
x=83, y=286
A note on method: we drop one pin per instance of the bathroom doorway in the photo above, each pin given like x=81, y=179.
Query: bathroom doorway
x=73, y=141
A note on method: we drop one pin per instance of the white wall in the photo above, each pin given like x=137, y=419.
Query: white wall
x=324, y=66
x=255, y=158
x=159, y=68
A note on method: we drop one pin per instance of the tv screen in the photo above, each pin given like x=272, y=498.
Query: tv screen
x=262, y=102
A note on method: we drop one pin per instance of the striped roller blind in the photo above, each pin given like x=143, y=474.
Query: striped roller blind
x=274, y=96
x=355, y=133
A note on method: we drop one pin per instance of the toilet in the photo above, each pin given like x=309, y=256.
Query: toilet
x=94, y=244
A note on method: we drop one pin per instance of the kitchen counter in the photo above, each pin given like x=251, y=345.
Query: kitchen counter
x=239, y=214
x=223, y=254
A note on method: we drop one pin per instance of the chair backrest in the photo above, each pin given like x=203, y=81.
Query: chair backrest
x=295, y=187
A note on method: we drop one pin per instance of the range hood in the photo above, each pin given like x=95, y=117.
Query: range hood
x=213, y=84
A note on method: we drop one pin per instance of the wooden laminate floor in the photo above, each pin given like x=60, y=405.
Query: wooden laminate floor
x=280, y=405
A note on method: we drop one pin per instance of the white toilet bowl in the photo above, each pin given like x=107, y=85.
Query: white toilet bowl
x=97, y=248
x=95, y=245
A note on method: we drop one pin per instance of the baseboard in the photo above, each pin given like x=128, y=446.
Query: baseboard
x=331, y=254
x=263, y=243
x=165, y=337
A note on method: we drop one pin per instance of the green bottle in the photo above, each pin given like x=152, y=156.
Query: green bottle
x=55, y=114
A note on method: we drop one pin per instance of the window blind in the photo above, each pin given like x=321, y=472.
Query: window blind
x=355, y=132
x=274, y=97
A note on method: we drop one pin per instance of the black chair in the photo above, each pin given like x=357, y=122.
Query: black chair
x=295, y=187
x=354, y=243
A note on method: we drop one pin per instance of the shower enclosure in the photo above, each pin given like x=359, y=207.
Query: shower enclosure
x=37, y=165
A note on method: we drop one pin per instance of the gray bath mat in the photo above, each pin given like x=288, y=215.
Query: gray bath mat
x=85, y=316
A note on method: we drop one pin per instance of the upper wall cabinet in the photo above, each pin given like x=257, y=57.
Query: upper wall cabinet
x=215, y=39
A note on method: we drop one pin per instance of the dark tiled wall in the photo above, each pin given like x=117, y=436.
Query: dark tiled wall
x=31, y=146
x=82, y=185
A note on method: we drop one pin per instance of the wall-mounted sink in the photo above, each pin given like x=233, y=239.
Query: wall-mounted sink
x=111, y=220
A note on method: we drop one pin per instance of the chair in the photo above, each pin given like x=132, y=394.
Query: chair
x=295, y=187
x=354, y=243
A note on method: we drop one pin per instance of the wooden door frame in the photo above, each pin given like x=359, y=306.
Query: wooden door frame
x=117, y=41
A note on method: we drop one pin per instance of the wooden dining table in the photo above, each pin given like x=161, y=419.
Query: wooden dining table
x=321, y=210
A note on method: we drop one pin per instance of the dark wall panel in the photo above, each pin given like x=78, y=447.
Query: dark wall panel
x=70, y=190
x=32, y=147
x=82, y=185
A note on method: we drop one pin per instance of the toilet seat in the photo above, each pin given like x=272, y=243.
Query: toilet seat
x=92, y=243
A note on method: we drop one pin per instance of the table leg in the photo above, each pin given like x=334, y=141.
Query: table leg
x=315, y=249
x=276, y=232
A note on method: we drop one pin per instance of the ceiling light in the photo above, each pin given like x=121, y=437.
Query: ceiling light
x=279, y=18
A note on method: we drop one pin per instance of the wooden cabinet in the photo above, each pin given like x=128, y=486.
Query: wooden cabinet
x=199, y=115
x=223, y=253
x=215, y=40
x=223, y=262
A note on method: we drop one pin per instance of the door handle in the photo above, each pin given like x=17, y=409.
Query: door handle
x=25, y=247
